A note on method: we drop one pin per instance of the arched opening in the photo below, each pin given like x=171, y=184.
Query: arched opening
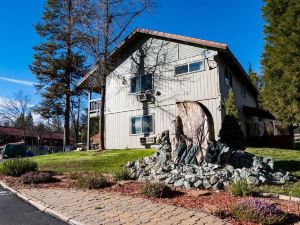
x=194, y=130
x=210, y=122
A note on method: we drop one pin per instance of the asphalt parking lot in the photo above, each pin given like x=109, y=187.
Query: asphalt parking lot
x=14, y=211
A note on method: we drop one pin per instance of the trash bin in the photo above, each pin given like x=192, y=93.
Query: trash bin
x=14, y=150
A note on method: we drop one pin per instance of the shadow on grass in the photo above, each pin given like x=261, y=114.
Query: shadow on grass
x=288, y=165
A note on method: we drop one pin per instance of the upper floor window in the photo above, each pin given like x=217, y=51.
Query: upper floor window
x=141, y=83
x=243, y=90
x=228, y=77
x=191, y=67
x=141, y=124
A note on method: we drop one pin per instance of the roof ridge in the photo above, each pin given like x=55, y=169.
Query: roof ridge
x=170, y=35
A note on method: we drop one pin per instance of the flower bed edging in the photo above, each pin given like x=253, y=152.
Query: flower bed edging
x=282, y=197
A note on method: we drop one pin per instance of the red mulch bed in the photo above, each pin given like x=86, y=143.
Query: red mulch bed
x=221, y=200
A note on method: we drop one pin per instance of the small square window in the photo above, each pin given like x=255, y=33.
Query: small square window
x=181, y=69
x=141, y=124
x=141, y=83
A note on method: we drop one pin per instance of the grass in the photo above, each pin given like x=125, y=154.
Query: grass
x=285, y=159
x=108, y=161
x=111, y=161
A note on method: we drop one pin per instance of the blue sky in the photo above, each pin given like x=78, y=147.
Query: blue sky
x=235, y=22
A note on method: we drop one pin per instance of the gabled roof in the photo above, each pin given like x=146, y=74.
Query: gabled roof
x=223, y=49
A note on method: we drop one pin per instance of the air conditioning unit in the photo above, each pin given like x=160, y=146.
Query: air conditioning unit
x=148, y=140
x=143, y=97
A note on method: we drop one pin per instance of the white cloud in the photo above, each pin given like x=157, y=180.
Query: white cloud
x=23, y=82
x=2, y=101
x=36, y=117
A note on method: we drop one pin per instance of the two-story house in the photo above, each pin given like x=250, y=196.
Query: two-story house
x=154, y=71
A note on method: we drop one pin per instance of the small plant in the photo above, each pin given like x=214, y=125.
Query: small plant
x=19, y=166
x=122, y=174
x=92, y=181
x=36, y=177
x=240, y=188
x=76, y=175
x=258, y=211
x=158, y=190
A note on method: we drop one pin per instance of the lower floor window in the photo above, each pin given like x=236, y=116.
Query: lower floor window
x=141, y=124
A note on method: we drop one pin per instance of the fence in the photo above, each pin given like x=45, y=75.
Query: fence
x=297, y=134
x=43, y=150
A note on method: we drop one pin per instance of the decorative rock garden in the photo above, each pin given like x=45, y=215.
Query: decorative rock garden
x=220, y=166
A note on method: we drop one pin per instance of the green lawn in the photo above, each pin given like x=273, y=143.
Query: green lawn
x=285, y=159
x=110, y=161
x=107, y=161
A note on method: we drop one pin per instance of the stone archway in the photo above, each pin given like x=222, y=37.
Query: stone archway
x=194, y=130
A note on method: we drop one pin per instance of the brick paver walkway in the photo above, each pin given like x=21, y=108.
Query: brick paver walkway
x=93, y=207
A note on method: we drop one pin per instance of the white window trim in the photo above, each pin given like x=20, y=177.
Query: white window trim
x=136, y=93
x=188, y=65
x=130, y=125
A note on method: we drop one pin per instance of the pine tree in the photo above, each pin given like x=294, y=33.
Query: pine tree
x=231, y=133
x=254, y=78
x=230, y=107
x=58, y=64
x=281, y=59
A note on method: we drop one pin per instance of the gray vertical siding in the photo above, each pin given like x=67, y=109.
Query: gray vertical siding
x=248, y=100
x=201, y=86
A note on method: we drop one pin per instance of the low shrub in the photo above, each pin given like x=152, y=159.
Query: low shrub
x=76, y=175
x=19, y=166
x=231, y=133
x=258, y=211
x=36, y=177
x=240, y=188
x=92, y=181
x=122, y=174
x=158, y=190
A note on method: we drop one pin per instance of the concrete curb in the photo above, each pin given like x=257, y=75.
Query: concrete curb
x=41, y=206
x=282, y=197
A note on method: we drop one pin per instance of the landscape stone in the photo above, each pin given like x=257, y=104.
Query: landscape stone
x=179, y=183
x=198, y=184
x=221, y=166
x=206, y=184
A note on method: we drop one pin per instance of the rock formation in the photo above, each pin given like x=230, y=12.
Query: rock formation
x=220, y=166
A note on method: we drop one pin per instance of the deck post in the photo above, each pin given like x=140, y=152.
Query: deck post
x=88, y=122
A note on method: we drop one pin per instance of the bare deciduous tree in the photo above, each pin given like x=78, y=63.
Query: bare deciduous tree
x=15, y=110
x=103, y=24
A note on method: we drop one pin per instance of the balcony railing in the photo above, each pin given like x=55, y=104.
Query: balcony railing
x=95, y=105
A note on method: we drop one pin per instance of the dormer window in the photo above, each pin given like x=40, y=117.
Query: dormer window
x=141, y=83
x=228, y=77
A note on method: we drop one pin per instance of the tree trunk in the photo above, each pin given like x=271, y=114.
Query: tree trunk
x=67, y=78
x=191, y=133
x=105, y=71
x=67, y=120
